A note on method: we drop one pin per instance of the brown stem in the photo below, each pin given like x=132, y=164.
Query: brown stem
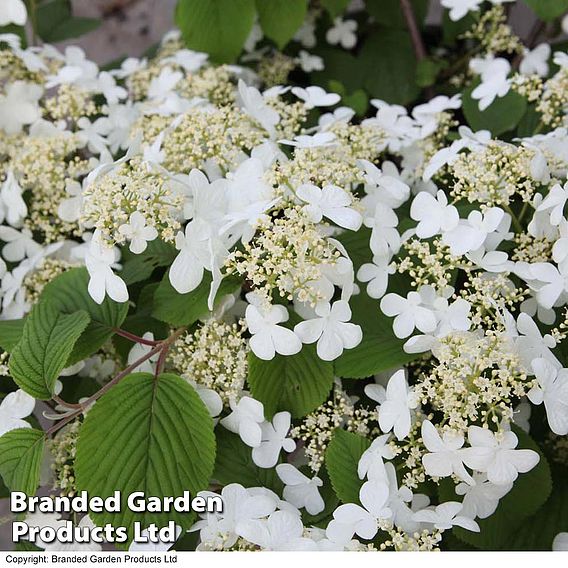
x=414, y=30
x=162, y=346
x=62, y=402
x=135, y=338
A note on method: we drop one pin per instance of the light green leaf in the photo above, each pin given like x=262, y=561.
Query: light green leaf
x=529, y=493
x=548, y=10
x=68, y=293
x=297, y=383
x=380, y=350
x=44, y=349
x=501, y=116
x=217, y=27
x=146, y=434
x=21, y=453
x=234, y=464
x=280, y=19
x=10, y=333
x=335, y=7
x=341, y=460
x=185, y=309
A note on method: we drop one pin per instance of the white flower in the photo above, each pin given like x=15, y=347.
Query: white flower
x=446, y=456
x=554, y=203
x=394, y=412
x=531, y=344
x=14, y=407
x=137, y=232
x=343, y=33
x=274, y=439
x=316, y=96
x=494, y=81
x=497, y=456
x=560, y=542
x=256, y=107
x=434, y=214
x=550, y=285
x=481, y=500
x=428, y=114
x=11, y=195
x=19, y=106
x=267, y=337
x=377, y=275
x=191, y=61
x=383, y=185
x=318, y=140
x=535, y=61
x=331, y=202
x=409, y=312
x=350, y=519
x=245, y=419
x=309, y=62
x=459, y=8
x=385, y=238
x=300, y=490
x=139, y=350
x=98, y=260
x=13, y=12
x=283, y=530
x=552, y=389
x=371, y=464
x=331, y=329
x=20, y=244
x=162, y=85
x=445, y=516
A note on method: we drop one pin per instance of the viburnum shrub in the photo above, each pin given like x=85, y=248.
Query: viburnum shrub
x=272, y=281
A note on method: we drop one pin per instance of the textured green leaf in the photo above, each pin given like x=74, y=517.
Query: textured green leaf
x=280, y=19
x=501, y=116
x=379, y=350
x=335, y=7
x=341, y=460
x=297, y=383
x=68, y=293
x=234, y=464
x=139, y=267
x=21, y=452
x=389, y=66
x=146, y=434
x=10, y=333
x=184, y=309
x=548, y=10
x=529, y=493
x=217, y=27
x=44, y=349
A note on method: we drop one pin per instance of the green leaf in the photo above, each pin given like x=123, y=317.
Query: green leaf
x=379, y=350
x=185, y=309
x=21, y=452
x=151, y=434
x=298, y=383
x=280, y=19
x=452, y=30
x=341, y=459
x=68, y=293
x=548, y=10
x=426, y=72
x=139, y=267
x=10, y=333
x=49, y=15
x=335, y=7
x=234, y=464
x=529, y=492
x=389, y=13
x=501, y=116
x=389, y=66
x=217, y=27
x=73, y=27
x=42, y=353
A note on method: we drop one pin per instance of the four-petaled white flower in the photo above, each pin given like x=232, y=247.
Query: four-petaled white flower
x=245, y=419
x=137, y=232
x=371, y=464
x=256, y=107
x=481, y=500
x=410, y=313
x=494, y=80
x=394, y=412
x=274, y=439
x=14, y=408
x=316, y=96
x=331, y=329
x=267, y=336
x=300, y=490
x=343, y=33
x=19, y=106
x=446, y=516
x=434, y=214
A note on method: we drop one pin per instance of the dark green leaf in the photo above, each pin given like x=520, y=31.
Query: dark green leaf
x=146, y=434
x=21, y=452
x=548, y=10
x=341, y=459
x=335, y=7
x=44, y=349
x=217, y=27
x=280, y=19
x=389, y=13
x=298, y=383
x=139, y=267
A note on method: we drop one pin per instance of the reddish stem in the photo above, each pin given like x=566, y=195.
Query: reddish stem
x=136, y=338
